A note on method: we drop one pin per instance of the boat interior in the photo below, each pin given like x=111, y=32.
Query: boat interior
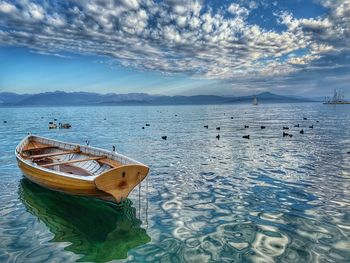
x=67, y=158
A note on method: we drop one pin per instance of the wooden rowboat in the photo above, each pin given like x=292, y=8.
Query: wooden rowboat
x=79, y=169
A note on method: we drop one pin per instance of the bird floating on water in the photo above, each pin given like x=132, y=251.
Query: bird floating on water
x=64, y=125
x=5, y=121
x=297, y=125
x=164, y=137
x=311, y=127
x=206, y=126
x=285, y=128
x=302, y=132
x=147, y=124
x=218, y=128
x=262, y=127
x=246, y=137
x=246, y=126
x=285, y=134
x=218, y=137
x=53, y=126
x=305, y=119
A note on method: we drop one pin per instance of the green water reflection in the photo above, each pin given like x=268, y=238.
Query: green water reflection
x=97, y=230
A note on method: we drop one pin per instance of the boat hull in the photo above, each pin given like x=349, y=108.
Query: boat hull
x=59, y=183
x=114, y=185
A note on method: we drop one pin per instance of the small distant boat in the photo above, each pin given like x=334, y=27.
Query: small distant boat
x=255, y=101
x=79, y=169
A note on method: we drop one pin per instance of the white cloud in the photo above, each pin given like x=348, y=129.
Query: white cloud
x=132, y=4
x=238, y=10
x=56, y=20
x=36, y=11
x=7, y=7
x=178, y=36
x=303, y=60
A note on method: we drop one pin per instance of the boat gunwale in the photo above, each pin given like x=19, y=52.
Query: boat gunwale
x=80, y=177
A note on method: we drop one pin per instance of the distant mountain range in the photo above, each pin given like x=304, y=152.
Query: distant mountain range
x=61, y=98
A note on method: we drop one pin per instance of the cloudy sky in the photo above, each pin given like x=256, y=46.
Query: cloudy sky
x=239, y=47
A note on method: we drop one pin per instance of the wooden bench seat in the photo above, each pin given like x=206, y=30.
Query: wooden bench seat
x=39, y=156
x=74, y=161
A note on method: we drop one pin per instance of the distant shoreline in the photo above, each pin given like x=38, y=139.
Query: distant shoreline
x=60, y=98
x=151, y=105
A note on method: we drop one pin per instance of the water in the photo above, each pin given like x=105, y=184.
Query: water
x=267, y=199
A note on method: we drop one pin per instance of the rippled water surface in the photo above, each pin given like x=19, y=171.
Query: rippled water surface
x=267, y=199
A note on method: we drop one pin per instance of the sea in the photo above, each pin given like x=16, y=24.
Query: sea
x=207, y=198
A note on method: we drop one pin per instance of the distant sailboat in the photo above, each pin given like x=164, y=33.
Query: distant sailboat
x=255, y=101
x=338, y=98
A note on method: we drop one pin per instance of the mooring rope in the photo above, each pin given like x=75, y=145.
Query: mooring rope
x=146, y=202
x=139, y=196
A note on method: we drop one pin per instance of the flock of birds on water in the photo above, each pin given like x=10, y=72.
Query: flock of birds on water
x=284, y=128
x=285, y=133
x=53, y=125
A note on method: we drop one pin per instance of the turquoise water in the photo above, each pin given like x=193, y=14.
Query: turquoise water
x=267, y=199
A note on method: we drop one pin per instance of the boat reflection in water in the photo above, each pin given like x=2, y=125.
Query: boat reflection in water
x=97, y=230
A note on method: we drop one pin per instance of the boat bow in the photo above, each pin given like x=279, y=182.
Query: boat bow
x=120, y=181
